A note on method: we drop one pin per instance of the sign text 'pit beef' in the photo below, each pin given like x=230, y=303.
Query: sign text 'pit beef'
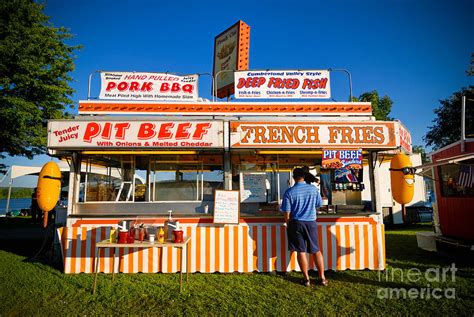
x=135, y=134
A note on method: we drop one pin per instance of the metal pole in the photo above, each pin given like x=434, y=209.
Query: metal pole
x=212, y=83
x=9, y=193
x=350, y=79
x=89, y=84
x=463, y=123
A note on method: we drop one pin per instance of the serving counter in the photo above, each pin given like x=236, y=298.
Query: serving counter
x=255, y=244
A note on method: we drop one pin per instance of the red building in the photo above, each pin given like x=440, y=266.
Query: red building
x=454, y=186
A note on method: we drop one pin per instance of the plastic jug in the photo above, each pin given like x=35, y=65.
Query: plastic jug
x=170, y=225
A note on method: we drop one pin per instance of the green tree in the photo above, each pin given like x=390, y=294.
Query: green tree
x=447, y=124
x=381, y=107
x=34, y=83
x=421, y=150
x=470, y=70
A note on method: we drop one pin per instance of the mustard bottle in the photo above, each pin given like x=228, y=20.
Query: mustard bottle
x=113, y=235
x=161, y=235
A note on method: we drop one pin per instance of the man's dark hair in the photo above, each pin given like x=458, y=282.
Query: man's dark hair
x=309, y=178
x=298, y=173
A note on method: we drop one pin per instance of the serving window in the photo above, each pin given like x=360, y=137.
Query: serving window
x=262, y=177
x=150, y=178
x=456, y=179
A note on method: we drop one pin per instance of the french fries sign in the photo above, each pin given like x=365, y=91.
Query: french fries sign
x=335, y=135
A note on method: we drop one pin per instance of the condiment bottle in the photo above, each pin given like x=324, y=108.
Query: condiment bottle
x=113, y=235
x=161, y=235
x=178, y=235
x=170, y=225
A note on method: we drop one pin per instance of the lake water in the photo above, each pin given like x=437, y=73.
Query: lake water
x=15, y=204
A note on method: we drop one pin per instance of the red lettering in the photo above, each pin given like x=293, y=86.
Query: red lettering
x=147, y=86
x=275, y=82
x=107, y=130
x=306, y=84
x=188, y=88
x=134, y=86
x=122, y=86
x=110, y=86
x=182, y=131
x=201, y=130
x=92, y=130
x=164, y=132
x=323, y=82
x=293, y=83
x=146, y=131
x=164, y=87
x=241, y=83
x=175, y=87
x=120, y=130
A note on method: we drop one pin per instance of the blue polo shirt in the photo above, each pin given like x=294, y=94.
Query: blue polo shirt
x=301, y=202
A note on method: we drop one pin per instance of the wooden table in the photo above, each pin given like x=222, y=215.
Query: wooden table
x=145, y=244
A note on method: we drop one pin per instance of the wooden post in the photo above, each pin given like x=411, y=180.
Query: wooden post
x=404, y=215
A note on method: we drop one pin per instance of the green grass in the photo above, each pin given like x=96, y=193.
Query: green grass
x=37, y=289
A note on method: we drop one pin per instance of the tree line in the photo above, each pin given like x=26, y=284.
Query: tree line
x=17, y=192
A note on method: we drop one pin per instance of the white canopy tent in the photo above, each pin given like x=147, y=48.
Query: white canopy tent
x=16, y=171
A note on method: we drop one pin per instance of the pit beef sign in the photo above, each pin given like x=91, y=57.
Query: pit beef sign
x=135, y=134
x=148, y=86
x=345, y=135
x=284, y=84
x=334, y=159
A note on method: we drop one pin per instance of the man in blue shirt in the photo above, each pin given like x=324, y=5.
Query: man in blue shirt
x=299, y=207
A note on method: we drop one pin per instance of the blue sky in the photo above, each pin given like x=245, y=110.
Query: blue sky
x=416, y=52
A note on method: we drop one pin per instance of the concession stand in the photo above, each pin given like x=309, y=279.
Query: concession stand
x=220, y=168
x=159, y=157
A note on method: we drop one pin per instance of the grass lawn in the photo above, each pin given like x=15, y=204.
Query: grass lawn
x=33, y=288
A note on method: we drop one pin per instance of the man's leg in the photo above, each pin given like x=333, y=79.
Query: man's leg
x=319, y=260
x=303, y=263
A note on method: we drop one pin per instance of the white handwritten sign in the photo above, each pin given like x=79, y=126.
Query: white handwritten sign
x=226, y=206
x=253, y=187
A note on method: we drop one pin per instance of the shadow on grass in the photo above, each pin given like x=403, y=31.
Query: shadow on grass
x=20, y=236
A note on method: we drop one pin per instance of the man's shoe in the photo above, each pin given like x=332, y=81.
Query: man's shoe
x=305, y=283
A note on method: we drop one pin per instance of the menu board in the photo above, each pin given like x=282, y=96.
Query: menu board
x=253, y=187
x=226, y=206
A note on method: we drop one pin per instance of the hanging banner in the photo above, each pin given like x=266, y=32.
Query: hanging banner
x=337, y=159
x=135, y=134
x=284, y=84
x=338, y=135
x=148, y=86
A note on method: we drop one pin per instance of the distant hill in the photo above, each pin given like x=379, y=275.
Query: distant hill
x=17, y=192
